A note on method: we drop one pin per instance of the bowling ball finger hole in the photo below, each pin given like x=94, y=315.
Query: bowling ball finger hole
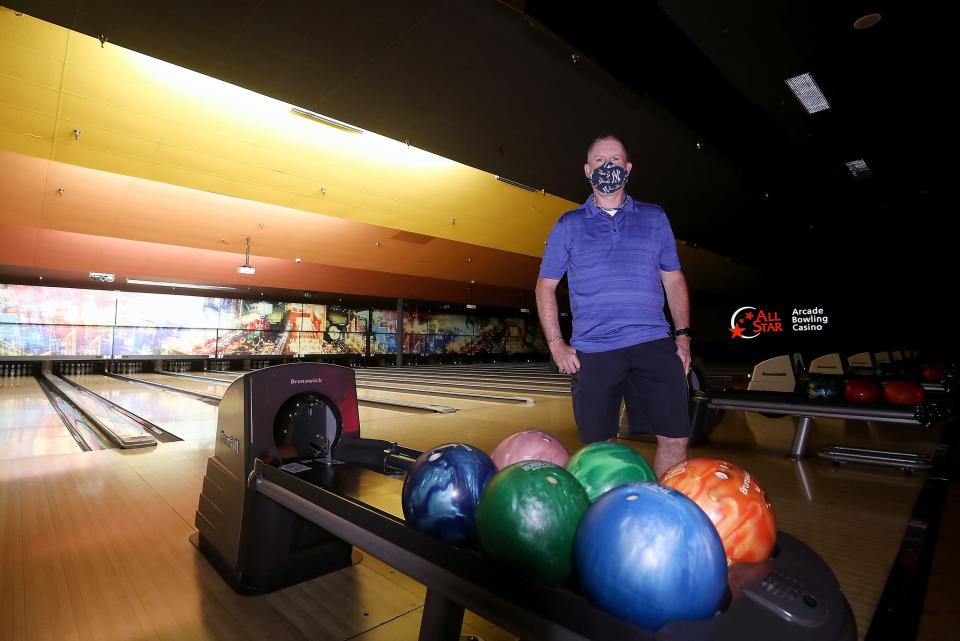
x=810, y=600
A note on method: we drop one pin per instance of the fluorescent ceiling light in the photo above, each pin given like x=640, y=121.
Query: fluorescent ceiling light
x=327, y=120
x=805, y=88
x=160, y=283
x=858, y=168
x=516, y=184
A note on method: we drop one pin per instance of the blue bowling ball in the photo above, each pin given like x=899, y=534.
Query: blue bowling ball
x=442, y=489
x=648, y=554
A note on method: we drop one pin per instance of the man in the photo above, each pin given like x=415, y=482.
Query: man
x=620, y=257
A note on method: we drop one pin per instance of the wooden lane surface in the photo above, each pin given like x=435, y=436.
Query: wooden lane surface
x=219, y=388
x=29, y=426
x=185, y=417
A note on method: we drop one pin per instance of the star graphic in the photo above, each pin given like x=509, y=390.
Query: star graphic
x=737, y=332
x=748, y=315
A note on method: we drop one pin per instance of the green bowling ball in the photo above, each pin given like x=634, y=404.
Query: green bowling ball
x=527, y=519
x=603, y=466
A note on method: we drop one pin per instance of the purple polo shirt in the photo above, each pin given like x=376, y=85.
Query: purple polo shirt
x=613, y=268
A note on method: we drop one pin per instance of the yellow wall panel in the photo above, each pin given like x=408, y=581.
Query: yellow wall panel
x=111, y=60
x=25, y=121
x=321, y=205
x=143, y=117
x=135, y=94
x=73, y=154
x=186, y=178
x=183, y=137
x=28, y=95
x=89, y=112
x=193, y=161
x=22, y=143
x=30, y=66
x=261, y=194
x=276, y=180
x=105, y=140
x=35, y=35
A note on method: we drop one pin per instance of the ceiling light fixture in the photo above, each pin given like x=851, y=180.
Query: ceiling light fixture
x=162, y=283
x=327, y=120
x=805, y=88
x=246, y=267
x=516, y=184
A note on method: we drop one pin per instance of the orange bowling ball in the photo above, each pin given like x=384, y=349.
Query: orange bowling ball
x=734, y=501
x=899, y=392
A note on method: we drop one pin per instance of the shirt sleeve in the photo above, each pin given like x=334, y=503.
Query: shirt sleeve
x=556, y=255
x=669, y=261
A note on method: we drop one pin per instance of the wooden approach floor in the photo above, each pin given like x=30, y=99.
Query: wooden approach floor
x=97, y=545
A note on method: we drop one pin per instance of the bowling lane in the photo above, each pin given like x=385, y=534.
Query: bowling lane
x=29, y=426
x=194, y=385
x=212, y=374
x=181, y=415
x=218, y=388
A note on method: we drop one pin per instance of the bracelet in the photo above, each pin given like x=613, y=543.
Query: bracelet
x=555, y=339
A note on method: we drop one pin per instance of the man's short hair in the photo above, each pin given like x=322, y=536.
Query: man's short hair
x=608, y=136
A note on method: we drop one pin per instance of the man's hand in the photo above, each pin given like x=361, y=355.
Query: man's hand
x=565, y=357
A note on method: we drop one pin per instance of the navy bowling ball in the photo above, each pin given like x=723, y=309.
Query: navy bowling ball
x=442, y=489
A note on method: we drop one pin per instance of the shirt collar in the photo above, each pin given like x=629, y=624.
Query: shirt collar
x=592, y=209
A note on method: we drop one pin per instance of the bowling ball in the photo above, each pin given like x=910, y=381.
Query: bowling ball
x=527, y=519
x=603, y=466
x=824, y=387
x=861, y=390
x=899, y=392
x=648, y=554
x=442, y=489
x=932, y=373
x=529, y=445
x=736, y=504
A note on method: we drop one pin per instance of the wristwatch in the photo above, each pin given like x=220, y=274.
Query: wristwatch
x=683, y=331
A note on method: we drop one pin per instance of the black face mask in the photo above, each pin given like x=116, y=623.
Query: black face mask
x=609, y=178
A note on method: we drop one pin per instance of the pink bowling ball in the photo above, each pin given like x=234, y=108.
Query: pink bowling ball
x=529, y=445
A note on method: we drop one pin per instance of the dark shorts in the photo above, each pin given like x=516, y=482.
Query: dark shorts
x=648, y=376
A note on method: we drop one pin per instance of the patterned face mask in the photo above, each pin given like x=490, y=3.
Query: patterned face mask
x=609, y=178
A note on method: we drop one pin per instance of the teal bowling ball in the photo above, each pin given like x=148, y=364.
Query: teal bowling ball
x=600, y=467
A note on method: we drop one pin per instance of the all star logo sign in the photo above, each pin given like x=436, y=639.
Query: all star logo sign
x=750, y=322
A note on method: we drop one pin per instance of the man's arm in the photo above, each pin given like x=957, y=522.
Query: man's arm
x=563, y=355
x=678, y=300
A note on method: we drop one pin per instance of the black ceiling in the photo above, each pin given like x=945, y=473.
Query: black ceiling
x=696, y=89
